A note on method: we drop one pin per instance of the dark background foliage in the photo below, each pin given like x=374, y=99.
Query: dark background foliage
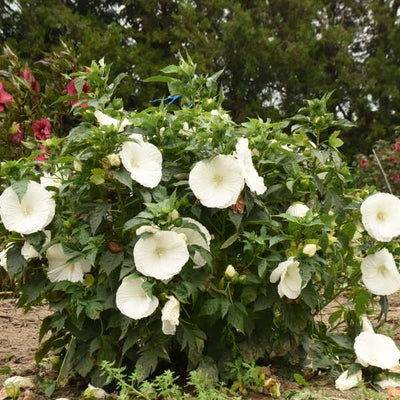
x=274, y=52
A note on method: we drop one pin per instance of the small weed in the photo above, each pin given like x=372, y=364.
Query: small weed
x=246, y=377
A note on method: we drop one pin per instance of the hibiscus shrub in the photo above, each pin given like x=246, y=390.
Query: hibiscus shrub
x=173, y=235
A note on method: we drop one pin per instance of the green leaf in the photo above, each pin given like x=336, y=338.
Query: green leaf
x=98, y=215
x=109, y=261
x=84, y=365
x=262, y=268
x=232, y=239
x=334, y=141
x=15, y=261
x=302, y=381
x=4, y=370
x=235, y=218
x=124, y=177
x=135, y=222
x=236, y=316
x=20, y=188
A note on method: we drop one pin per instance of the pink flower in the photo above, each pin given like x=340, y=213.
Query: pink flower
x=18, y=136
x=71, y=89
x=392, y=160
x=397, y=145
x=28, y=76
x=42, y=129
x=42, y=156
x=4, y=97
x=363, y=163
x=395, y=178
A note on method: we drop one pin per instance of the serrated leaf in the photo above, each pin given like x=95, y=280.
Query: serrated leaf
x=20, y=188
x=84, y=365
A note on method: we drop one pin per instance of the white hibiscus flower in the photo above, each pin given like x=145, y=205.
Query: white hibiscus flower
x=290, y=280
x=170, y=316
x=298, y=210
x=161, y=255
x=380, y=274
x=251, y=177
x=381, y=216
x=346, y=381
x=143, y=161
x=106, y=120
x=35, y=211
x=217, y=182
x=61, y=270
x=132, y=300
x=28, y=251
x=194, y=237
x=376, y=349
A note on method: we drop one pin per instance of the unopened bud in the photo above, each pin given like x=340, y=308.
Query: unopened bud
x=174, y=215
x=230, y=271
x=77, y=166
x=114, y=160
x=310, y=249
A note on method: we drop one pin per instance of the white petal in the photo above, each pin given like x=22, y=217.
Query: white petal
x=346, y=382
x=381, y=216
x=50, y=180
x=379, y=273
x=106, y=120
x=377, y=350
x=367, y=326
x=161, y=256
x=252, y=179
x=218, y=182
x=28, y=251
x=133, y=301
x=35, y=211
x=60, y=269
x=143, y=161
x=194, y=237
x=385, y=383
x=297, y=210
x=170, y=316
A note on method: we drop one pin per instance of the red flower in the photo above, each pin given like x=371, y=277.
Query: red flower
x=28, y=76
x=71, y=89
x=397, y=145
x=42, y=156
x=395, y=178
x=18, y=136
x=363, y=163
x=4, y=97
x=392, y=160
x=42, y=129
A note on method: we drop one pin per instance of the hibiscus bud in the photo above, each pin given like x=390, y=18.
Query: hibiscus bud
x=310, y=249
x=93, y=392
x=174, y=215
x=114, y=160
x=77, y=166
x=230, y=271
x=210, y=101
x=297, y=210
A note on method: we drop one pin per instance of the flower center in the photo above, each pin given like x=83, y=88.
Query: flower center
x=217, y=180
x=160, y=252
x=381, y=216
x=382, y=269
x=134, y=164
x=27, y=210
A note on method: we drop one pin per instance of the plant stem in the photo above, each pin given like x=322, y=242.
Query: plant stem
x=382, y=170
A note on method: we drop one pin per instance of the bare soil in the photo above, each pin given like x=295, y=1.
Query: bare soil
x=19, y=339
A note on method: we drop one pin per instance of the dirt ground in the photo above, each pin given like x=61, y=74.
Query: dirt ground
x=19, y=334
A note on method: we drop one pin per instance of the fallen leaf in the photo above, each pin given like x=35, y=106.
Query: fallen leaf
x=238, y=208
x=114, y=246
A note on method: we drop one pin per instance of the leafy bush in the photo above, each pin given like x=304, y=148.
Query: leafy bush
x=155, y=251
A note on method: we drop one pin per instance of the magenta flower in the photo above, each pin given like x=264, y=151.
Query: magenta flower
x=395, y=178
x=28, y=76
x=397, y=145
x=4, y=97
x=71, y=89
x=42, y=128
x=363, y=163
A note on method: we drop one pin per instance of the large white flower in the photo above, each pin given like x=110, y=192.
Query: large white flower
x=381, y=216
x=290, y=280
x=380, y=274
x=133, y=301
x=376, y=349
x=251, y=177
x=106, y=120
x=195, y=237
x=142, y=160
x=35, y=211
x=3, y=256
x=217, y=182
x=298, y=210
x=61, y=270
x=170, y=316
x=161, y=255
x=346, y=381
x=28, y=251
